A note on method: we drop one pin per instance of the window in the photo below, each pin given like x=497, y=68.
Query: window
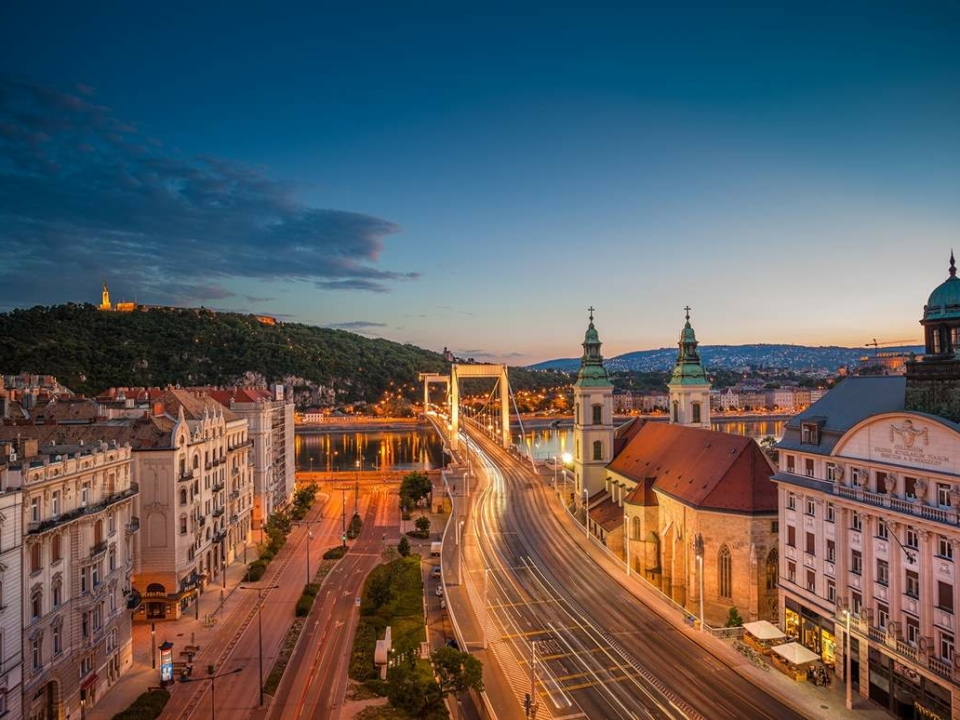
x=832, y=475
x=791, y=502
x=35, y=653
x=946, y=647
x=773, y=569
x=84, y=583
x=856, y=521
x=856, y=603
x=809, y=433
x=913, y=631
x=811, y=546
x=811, y=581
x=792, y=571
x=56, y=592
x=724, y=573
x=111, y=524
x=57, y=639
x=831, y=591
x=635, y=524
x=855, y=476
x=883, y=572
x=912, y=539
x=598, y=414
x=945, y=596
x=883, y=616
x=882, y=532
x=597, y=450
x=112, y=559
x=84, y=494
x=86, y=665
x=791, y=536
x=856, y=564
x=183, y=524
x=913, y=584
x=811, y=508
x=774, y=526
x=881, y=483
x=85, y=624
x=36, y=604
x=831, y=551
x=943, y=495
x=36, y=557
x=696, y=412
x=944, y=548
x=55, y=503
x=676, y=412
x=910, y=488
x=56, y=548
x=183, y=496
x=790, y=464
x=808, y=467
x=35, y=509
x=95, y=574
x=830, y=512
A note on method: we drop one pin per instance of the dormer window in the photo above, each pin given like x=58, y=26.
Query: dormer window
x=810, y=433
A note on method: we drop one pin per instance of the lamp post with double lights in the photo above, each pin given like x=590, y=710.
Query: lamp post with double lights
x=260, y=591
x=212, y=678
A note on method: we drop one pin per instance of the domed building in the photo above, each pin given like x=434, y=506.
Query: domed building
x=933, y=383
x=869, y=495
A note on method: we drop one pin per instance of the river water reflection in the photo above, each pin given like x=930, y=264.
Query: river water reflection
x=420, y=448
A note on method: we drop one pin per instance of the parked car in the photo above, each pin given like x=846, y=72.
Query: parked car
x=435, y=572
x=439, y=590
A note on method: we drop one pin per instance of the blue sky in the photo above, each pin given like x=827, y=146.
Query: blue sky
x=476, y=176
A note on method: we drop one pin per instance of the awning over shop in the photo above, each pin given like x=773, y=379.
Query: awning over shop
x=795, y=653
x=89, y=681
x=764, y=630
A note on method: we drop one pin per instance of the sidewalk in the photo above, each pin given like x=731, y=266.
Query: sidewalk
x=187, y=630
x=805, y=698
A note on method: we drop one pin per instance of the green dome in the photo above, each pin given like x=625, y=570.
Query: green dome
x=944, y=302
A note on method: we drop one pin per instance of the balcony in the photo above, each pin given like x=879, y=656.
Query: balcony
x=185, y=476
x=234, y=519
x=133, y=526
x=219, y=486
x=235, y=495
x=98, y=548
x=947, y=516
x=218, y=512
x=90, y=509
x=222, y=535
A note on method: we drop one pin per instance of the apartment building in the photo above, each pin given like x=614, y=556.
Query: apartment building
x=79, y=525
x=11, y=629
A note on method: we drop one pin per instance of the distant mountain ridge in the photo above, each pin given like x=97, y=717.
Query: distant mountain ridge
x=792, y=357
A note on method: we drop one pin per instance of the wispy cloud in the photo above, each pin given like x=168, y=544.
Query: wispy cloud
x=356, y=325
x=85, y=195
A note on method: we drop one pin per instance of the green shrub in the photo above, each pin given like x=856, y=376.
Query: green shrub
x=303, y=605
x=335, y=553
x=312, y=589
x=146, y=707
x=255, y=571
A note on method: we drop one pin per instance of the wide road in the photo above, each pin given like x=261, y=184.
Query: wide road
x=315, y=682
x=600, y=651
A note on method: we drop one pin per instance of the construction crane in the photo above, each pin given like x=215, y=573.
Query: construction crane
x=876, y=344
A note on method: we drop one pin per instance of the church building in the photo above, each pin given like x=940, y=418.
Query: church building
x=689, y=509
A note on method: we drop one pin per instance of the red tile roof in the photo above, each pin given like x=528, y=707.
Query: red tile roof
x=702, y=468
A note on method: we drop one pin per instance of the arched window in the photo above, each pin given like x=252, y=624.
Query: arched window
x=98, y=532
x=696, y=412
x=724, y=573
x=676, y=411
x=597, y=450
x=196, y=461
x=576, y=413
x=635, y=531
x=183, y=524
x=598, y=414
x=183, y=496
x=36, y=603
x=56, y=549
x=773, y=569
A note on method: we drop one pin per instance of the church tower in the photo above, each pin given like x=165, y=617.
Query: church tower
x=592, y=418
x=105, y=299
x=689, y=386
x=933, y=383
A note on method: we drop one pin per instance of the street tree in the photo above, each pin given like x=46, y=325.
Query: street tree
x=423, y=525
x=415, y=486
x=457, y=671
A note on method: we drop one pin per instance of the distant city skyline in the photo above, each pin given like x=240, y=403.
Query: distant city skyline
x=476, y=181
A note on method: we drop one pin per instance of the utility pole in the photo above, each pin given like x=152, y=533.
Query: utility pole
x=532, y=705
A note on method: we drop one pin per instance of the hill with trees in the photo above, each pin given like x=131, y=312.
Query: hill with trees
x=90, y=351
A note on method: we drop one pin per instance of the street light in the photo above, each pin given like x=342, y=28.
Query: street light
x=847, y=663
x=211, y=676
x=698, y=548
x=626, y=542
x=260, y=626
x=586, y=512
x=153, y=645
x=566, y=461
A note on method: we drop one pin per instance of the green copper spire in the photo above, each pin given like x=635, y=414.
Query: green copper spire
x=592, y=371
x=688, y=370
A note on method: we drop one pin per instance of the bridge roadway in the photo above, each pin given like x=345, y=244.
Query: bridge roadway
x=601, y=651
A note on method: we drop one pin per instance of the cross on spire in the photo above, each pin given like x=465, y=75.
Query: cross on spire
x=687, y=309
x=591, y=309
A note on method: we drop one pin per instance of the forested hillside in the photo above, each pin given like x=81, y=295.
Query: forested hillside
x=90, y=351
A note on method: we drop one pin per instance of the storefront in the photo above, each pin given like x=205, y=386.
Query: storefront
x=904, y=692
x=810, y=629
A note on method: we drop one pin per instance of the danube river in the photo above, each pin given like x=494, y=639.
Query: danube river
x=419, y=448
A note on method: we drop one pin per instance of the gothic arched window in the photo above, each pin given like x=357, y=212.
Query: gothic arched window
x=635, y=534
x=724, y=573
x=773, y=569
